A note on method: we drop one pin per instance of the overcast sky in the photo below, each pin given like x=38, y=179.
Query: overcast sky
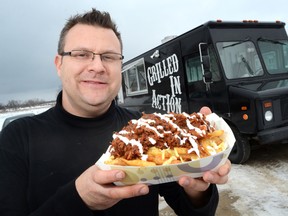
x=29, y=31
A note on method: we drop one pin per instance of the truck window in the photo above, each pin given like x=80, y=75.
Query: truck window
x=135, y=79
x=194, y=71
x=239, y=59
x=214, y=68
x=275, y=55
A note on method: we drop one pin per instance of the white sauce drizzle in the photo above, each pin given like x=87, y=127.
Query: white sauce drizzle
x=167, y=118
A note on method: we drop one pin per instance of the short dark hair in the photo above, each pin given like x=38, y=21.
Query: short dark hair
x=93, y=18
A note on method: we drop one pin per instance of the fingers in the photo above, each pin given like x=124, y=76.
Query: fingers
x=122, y=192
x=219, y=177
x=195, y=187
x=214, y=178
x=193, y=184
x=97, y=190
x=107, y=176
x=205, y=110
x=225, y=169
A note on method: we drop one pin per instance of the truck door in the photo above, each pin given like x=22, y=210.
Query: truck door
x=197, y=95
x=204, y=92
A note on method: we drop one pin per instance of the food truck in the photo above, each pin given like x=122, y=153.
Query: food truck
x=238, y=69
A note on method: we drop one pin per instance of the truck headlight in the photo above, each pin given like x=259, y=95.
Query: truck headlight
x=268, y=115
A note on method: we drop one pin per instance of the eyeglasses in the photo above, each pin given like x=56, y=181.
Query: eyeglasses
x=88, y=56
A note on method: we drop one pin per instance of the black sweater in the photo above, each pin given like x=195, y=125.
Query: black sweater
x=41, y=156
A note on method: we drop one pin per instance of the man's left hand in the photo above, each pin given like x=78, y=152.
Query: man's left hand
x=196, y=188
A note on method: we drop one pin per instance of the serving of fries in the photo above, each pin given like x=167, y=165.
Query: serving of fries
x=155, y=150
x=161, y=139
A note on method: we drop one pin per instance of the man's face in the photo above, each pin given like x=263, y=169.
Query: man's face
x=89, y=86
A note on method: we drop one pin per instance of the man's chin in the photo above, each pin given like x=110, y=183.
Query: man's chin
x=98, y=101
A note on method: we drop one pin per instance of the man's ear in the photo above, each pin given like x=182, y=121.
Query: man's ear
x=58, y=63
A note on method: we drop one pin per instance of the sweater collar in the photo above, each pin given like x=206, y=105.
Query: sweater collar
x=80, y=121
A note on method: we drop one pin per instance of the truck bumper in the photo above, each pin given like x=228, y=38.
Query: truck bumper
x=276, y=135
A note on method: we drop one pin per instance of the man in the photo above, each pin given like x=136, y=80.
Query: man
x=47, y=162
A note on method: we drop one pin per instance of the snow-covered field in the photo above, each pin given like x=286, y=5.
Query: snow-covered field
x=256, y=188
x=260, y=187
x=35, y=110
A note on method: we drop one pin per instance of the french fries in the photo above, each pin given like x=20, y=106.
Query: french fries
x=209, y=145
x=160, y=139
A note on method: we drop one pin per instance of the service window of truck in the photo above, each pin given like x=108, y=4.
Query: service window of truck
x=238, y=69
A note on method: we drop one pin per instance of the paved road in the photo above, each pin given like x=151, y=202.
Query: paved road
x=270, y=164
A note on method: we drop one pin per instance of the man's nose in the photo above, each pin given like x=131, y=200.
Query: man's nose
x=97, y=63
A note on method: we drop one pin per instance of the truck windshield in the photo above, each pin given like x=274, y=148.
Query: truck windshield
x=275, y=55
x=239, y=59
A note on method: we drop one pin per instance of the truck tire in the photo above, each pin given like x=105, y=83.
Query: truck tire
x=241, y=149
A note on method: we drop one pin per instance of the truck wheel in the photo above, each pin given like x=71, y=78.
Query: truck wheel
x=241, y=149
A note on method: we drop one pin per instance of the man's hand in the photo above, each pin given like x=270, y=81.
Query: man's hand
x=205, y=110
x=97, y=190
x=196, y=189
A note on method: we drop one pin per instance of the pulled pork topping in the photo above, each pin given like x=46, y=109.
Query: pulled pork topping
x=163, y=131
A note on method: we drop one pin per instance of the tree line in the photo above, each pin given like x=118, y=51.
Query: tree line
x=16, y=104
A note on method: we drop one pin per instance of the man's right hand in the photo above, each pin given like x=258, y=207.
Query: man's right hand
x=97, y=190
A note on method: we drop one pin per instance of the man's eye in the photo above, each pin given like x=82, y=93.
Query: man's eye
x=82, y=55
x=107, y=57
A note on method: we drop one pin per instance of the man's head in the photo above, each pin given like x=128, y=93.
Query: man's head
x=89, y=63
x=93, y=18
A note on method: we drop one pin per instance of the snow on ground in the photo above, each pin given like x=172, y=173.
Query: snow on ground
x=256, y=188
x=35, y=110
x=259, y=189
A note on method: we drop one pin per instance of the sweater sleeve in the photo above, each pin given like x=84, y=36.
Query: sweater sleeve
x=181, y=204
x=65, y=202
x=14, y=184
x=13, y=197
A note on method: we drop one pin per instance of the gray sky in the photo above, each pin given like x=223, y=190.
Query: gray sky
x=29, y=32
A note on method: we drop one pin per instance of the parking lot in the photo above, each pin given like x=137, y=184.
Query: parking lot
x=256, y=188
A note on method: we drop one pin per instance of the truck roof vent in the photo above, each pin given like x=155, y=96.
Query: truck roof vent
x=167, y=38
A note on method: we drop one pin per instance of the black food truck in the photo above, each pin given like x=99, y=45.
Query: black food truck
x=238, y=69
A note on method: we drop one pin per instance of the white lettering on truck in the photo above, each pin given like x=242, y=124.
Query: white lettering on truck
x=166, y=69
x=162, y=69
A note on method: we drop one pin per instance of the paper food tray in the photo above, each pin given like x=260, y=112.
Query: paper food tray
x=172, y=172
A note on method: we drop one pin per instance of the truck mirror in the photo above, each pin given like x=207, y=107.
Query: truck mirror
x=208, y=76
x=206, y=63
x=206, y=69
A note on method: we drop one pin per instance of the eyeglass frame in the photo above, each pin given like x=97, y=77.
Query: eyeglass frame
x=121, y=57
